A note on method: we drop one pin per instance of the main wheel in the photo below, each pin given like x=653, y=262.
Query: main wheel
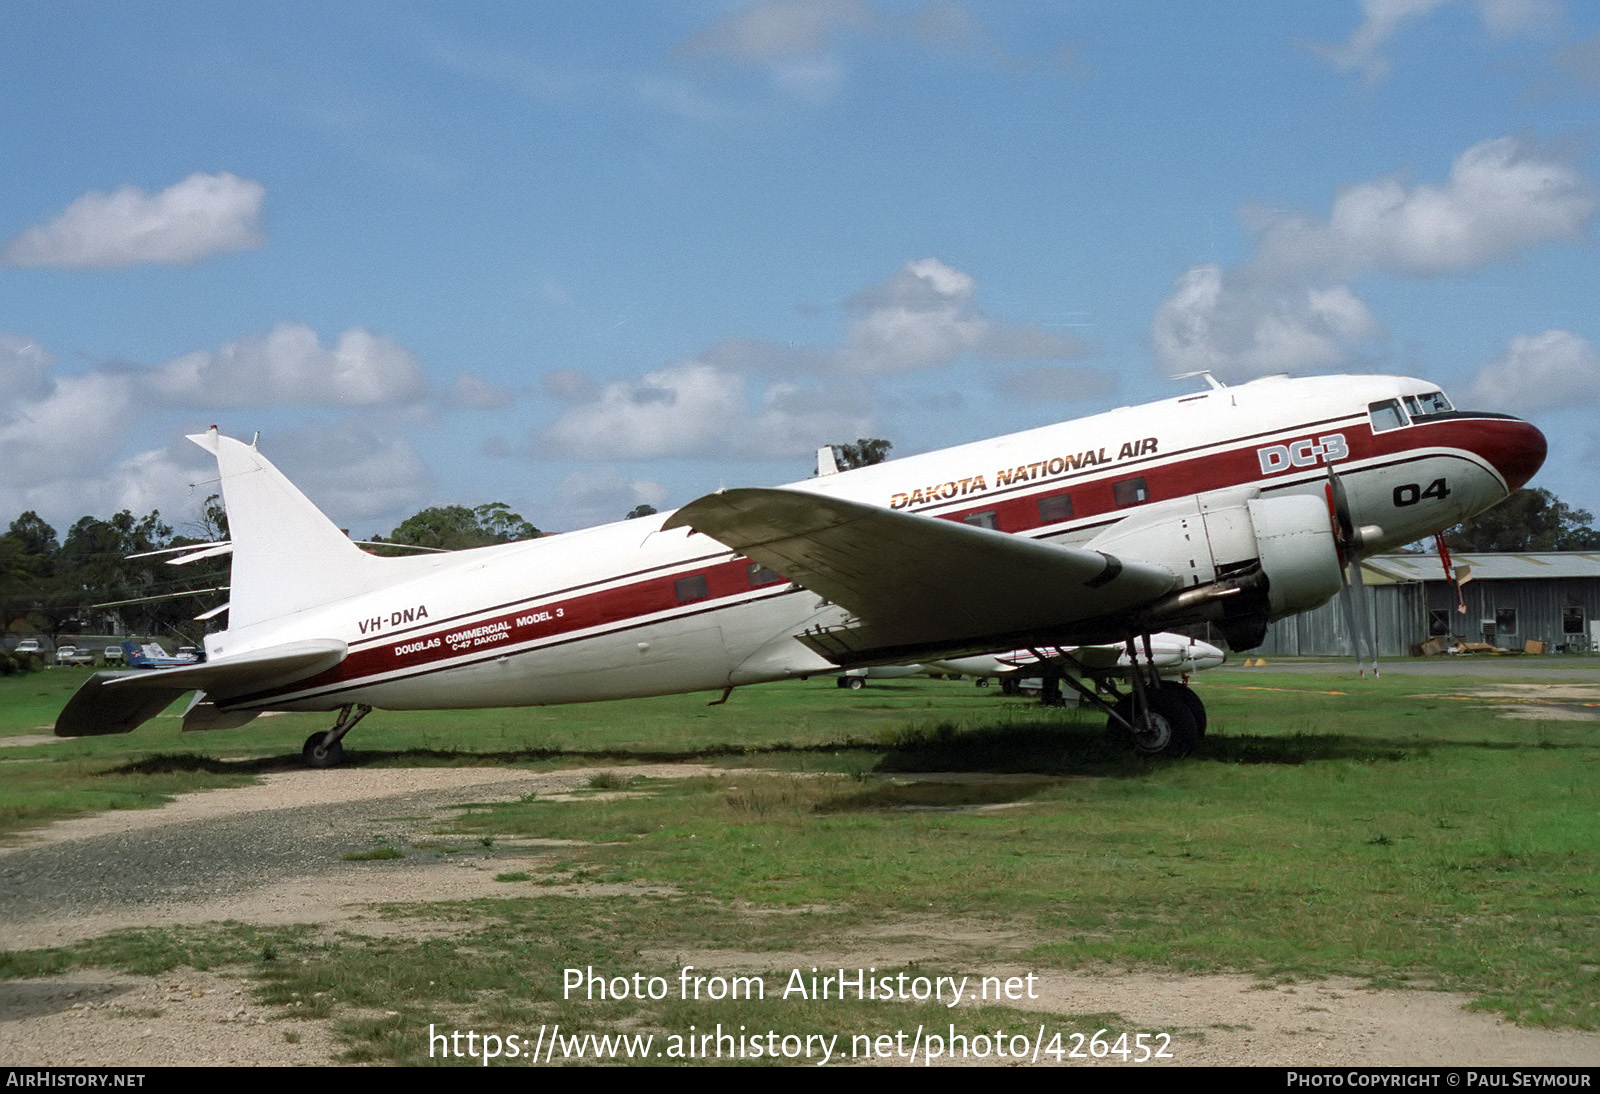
x=1197, y=709
x=316, y=755
x=981, y=682
x=1166, y=729
x=856, y=683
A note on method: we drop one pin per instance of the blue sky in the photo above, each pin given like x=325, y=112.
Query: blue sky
x=577, y=257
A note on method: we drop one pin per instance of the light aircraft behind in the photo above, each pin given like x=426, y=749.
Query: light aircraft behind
x=1232, y=506
x=151, y=656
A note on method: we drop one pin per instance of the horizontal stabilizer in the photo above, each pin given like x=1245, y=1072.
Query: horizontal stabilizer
x=909, y=577
x=119, y=702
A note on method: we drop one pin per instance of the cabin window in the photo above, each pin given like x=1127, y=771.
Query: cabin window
x=691, y=588
x=1130, y=491
x=1386, y=415
x=1505, y=620
x=985, y=519
x=1054, y=510
x=1423, y=406
x=760, y=575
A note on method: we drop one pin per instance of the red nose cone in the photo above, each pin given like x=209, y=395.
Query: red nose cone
x=1515, y=448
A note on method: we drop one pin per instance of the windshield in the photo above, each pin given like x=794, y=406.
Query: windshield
x=1434, y=402
x=1386, y=415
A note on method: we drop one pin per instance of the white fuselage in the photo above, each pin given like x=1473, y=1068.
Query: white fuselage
x=629, y=610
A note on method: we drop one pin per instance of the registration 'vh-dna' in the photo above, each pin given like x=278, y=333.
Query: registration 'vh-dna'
x=1234, y=506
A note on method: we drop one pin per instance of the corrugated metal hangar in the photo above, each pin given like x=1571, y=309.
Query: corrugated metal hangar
x=1509, y=599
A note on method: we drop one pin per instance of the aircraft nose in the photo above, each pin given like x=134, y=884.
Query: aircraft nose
x=1516, y=449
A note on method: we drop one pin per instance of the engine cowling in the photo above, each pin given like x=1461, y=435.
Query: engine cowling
x=1244, y=560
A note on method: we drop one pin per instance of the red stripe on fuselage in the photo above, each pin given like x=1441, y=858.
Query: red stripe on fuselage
x=539, y=622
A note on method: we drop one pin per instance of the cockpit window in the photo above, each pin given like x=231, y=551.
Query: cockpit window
x=1386, y=415
x=1421, y=406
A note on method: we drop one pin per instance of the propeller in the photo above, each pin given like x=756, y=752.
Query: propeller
x=1348, y=538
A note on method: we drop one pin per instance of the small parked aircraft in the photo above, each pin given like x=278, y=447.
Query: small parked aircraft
x=1235, y=506
x=151, y=656
x=1169, y=654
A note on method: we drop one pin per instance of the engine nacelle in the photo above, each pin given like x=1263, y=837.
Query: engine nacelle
x=1244, y=560
x=1294, y=541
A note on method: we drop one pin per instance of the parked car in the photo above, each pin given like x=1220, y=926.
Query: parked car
x=72, y=655
x=113, y=653
x=29, y=645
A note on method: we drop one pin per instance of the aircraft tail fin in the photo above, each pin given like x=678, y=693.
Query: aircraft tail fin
x=287, y=556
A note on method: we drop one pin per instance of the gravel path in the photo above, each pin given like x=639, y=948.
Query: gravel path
x=272, y=853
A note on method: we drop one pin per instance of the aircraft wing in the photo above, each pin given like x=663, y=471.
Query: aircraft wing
x=918, y=583
x=121, y=701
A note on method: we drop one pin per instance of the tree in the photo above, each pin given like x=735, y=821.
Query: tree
x=94, y=568
x=643, y=509
x=1529, y=520
x=28, y=553
x=864, y=453
x=455, y=527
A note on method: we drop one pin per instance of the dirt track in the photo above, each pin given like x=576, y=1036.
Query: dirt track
x=271, y=853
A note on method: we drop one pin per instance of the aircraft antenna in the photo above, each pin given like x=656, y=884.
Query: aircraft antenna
x=1216, y=384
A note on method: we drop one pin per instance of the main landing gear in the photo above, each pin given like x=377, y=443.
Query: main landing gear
x=327, y=749
x=1172, y=723
x=1159, y=717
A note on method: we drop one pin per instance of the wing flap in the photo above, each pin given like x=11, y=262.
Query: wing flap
x=920, y=581
x=120, y=702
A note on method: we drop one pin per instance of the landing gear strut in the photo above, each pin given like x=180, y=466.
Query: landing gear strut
x=1163, y=718
x=327, y=749
x=1159, y=717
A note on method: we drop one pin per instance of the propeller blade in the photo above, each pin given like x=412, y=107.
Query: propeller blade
x=1362, y=633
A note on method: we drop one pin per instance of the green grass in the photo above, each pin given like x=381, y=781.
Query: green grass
x=1388, y=830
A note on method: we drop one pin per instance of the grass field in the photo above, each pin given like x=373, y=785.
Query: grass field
x=1400, y=831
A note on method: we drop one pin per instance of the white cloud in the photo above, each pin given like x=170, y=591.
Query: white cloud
x=1582, y=61
x=923, y=316
x=798, y=43
x=691, y=409
x=926, y=314
x=1536, y=372
x=352, y=471
x=1287, y=308
x=1054, y=383
x=604, y=494
x=289, y=366
x=1212, y=321
x=73, y=427
x=475, y=394
x=61, y=438
x=1502, y=197
x=1383, y=19
x=569, y=385
x=774, y=31
x=196, y=219
x=697, y=409
x=23, y=366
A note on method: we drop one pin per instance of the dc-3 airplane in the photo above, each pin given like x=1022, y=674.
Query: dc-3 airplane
x=1233, y=505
